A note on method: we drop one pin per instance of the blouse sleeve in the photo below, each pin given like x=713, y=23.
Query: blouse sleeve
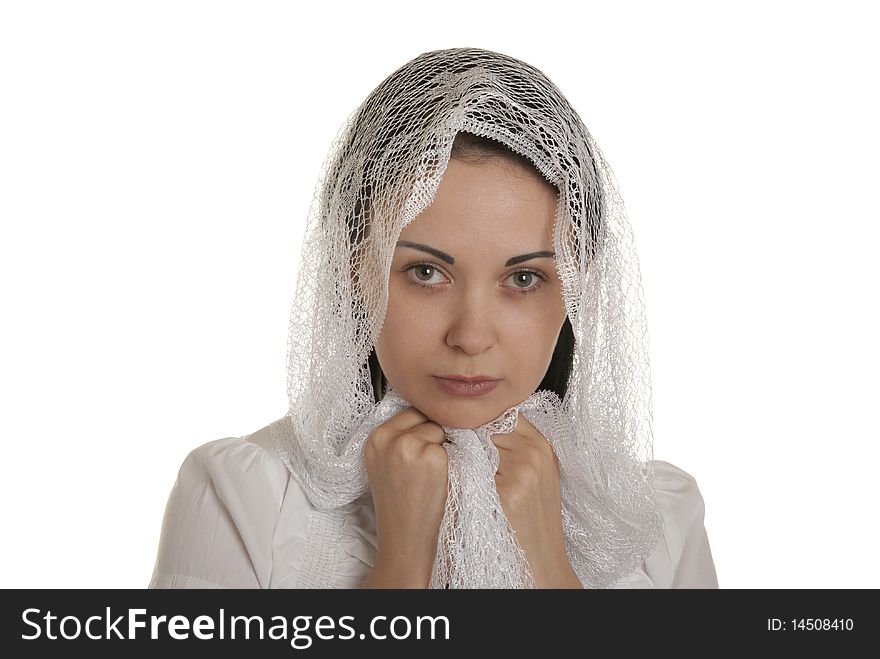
x=684, y=557
x=696, y=569
x=220, y=518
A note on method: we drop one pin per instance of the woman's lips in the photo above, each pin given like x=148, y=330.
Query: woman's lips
x=465, y=389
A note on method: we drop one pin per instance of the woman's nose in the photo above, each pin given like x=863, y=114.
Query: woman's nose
x=472, y=324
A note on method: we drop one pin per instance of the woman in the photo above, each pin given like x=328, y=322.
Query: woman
x=467, y=227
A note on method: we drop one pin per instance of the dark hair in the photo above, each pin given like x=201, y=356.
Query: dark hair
x=477, y=149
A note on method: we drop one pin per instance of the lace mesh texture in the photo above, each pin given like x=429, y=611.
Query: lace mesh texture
x=383, y=169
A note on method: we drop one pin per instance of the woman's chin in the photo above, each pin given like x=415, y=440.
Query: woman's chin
x=461, y=415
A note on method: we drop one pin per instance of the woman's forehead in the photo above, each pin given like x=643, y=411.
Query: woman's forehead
x=486, y=213
x=481, y=234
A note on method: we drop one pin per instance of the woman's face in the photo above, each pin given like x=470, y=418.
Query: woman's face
x=483, y=300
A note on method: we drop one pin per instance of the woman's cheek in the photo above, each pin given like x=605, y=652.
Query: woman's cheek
x=426, y=312
x=417, y=326
x=540, y=338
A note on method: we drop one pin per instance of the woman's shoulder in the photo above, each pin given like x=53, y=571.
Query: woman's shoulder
x=670, y=476
x=678, y=493
x=683, y=557
x=272, y=513
x=221, y=514
x=251, y=455
x=244, y=474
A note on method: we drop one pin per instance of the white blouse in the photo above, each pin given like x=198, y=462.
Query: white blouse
x=236, y=518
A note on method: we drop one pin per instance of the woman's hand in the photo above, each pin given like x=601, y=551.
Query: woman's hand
x=408, y=470
x=528, y=486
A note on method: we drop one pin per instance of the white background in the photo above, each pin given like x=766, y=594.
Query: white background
x=158, y=159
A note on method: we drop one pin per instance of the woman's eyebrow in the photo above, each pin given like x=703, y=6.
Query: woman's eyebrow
x=529, y=257
x=451, y=261
x=430, y=250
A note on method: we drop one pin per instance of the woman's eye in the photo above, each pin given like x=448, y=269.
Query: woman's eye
x=424, y=272
x=523, y=282
x=523, y=279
